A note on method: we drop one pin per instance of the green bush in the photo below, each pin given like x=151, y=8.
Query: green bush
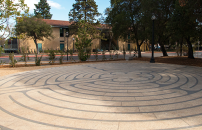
x=103, y=55
x=37, y=59
x=25, y=54
x=52, y=57
x=124, y=52
x=12, y=59
x=71, y=55
x=96, y=53
x=88, y=52
x=61, y=57
x=116, y=56
x=1, y=63
x=1, y=51
x=82, y=55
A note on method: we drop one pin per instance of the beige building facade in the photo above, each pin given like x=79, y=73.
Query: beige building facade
x=61, y=42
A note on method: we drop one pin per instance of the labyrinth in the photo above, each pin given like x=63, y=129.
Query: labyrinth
x=103, y=96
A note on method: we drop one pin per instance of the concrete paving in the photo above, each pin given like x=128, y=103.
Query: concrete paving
x=116, y=96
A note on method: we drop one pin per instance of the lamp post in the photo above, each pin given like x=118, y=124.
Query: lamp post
x=152, y=58
x=73, y=45
x=67, y=35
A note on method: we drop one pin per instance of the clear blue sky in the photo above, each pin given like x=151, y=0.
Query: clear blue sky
x=60, y=8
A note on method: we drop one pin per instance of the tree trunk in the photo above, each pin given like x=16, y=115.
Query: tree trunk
x=109, y=44
x=190, y=49
x=35, y=41
x=139, y=51
x=163, y=49
x=181, y=47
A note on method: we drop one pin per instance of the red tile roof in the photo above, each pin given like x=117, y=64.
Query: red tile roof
x=57, y=22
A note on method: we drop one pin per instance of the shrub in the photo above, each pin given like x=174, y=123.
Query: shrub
x=88, y=52
x=116, y=56
x=25, y=55
x=71, y=55
x=37, y=60
x=12, y=59
x=82, y=55
x=1, y=51
x=185, y=50
x=1, y=63
x=111, y=55
x=103, y=55
x=61, y=57
x=51, y=56
x=124, y=52
x=95, y=51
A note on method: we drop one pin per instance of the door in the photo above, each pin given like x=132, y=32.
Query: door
x=40, y=47
x=128, y=47
x=62, y=46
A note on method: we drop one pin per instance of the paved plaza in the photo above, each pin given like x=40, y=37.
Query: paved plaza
x=110, y=96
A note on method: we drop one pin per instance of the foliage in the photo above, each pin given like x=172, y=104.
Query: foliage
x=125, y=17
x=103, y=54
x=185, y=23
x=52, y=57
x=8, y=10
x=43, y=10
x=111, y=53
x=82, y=55
x=96, y=53
x=116, y=56
x=124, y=52
x=1, y=63
x=61, y=57
x=130, y=51
x=71, y=54
x=84, y=10
x=86, y=33
x=34, y=28
x=13, y=61
x=88, y=52
x=37, y=59
x=25, y=54
x=1, y=50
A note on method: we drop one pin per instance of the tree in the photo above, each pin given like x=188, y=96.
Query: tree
x=86, y=33
x=185, y=22
x=43, y=10
x=85, y=10
x=34, y=28
x=84, y=24
x=8, y=10
x=162, y=9
x=125, y=18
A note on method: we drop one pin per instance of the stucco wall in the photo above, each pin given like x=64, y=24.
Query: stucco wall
x=144, y=46
x=53, y=43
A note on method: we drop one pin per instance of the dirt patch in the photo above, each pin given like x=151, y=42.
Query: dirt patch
x=175, y=60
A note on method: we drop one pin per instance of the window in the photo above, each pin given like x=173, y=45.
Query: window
x=61, y=32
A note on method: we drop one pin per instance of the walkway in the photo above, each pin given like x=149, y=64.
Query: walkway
x=117, y=96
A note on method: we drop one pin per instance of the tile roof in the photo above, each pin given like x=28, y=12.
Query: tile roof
x=57, y=22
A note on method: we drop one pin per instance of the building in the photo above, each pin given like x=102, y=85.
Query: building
x=60, y=40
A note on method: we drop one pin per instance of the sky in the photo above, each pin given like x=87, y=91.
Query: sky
x=61, y=8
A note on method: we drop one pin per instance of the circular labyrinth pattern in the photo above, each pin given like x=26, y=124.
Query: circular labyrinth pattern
x=103, y=96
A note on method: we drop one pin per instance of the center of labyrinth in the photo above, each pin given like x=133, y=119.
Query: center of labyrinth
x=103, y=96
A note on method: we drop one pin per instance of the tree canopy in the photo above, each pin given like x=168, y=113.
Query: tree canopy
x=174, y=18
x=34, y=28
x=85, y=10
x=125, y=18
x=8, y=10
x=43, y=10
